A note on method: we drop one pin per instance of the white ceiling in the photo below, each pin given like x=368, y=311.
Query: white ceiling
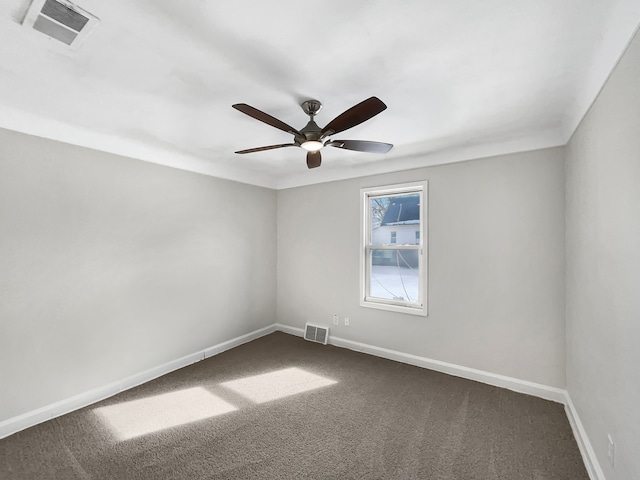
x=462, y=79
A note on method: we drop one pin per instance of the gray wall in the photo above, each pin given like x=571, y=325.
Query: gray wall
x=603, y=269
x=496, y=274
x=110, y=266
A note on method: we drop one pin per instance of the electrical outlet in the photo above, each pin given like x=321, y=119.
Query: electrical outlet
x=346, y=321
x=336, y=320
x=611, y=451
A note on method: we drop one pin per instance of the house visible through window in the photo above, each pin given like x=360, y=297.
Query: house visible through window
x=393, y=257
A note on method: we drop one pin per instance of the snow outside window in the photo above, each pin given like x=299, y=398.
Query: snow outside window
x=393, y=260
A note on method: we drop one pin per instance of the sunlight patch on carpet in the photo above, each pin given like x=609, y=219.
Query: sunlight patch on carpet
x=148, y=415
x=279, y=384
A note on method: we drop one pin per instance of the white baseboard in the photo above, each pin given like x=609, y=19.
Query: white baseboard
x=522, y=386
x=234, y=342
x=298, y=332
x=34, y=417
x=588, y=454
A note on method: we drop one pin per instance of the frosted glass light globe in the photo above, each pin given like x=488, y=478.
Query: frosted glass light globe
x=312, y=145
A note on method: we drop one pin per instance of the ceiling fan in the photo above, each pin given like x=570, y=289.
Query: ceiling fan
x=312, y=138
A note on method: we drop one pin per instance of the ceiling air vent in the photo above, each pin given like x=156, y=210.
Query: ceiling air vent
x=60, y=20
x=315, y=333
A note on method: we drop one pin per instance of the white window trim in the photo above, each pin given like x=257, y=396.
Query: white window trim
x=413, y=308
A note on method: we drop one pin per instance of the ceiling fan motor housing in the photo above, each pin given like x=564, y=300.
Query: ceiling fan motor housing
x=311, y=131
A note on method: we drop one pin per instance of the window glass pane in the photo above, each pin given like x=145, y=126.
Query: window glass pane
x=395, y=219
x=394, y=275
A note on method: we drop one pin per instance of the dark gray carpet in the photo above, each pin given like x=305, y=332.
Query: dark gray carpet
x=379, y=420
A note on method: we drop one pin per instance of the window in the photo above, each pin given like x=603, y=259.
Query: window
x=393, y=257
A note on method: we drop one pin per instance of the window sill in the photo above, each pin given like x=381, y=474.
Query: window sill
x=390, y=307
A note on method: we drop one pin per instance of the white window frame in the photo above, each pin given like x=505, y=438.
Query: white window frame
x=414, y=308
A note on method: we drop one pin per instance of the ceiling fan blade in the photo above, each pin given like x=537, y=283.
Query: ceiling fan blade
x=361, y=145
x=314, y=159
x=266, y=118
x=355, y=116
x=270, y=147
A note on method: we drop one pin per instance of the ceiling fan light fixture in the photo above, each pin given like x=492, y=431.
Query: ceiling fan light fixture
x=312, y=145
